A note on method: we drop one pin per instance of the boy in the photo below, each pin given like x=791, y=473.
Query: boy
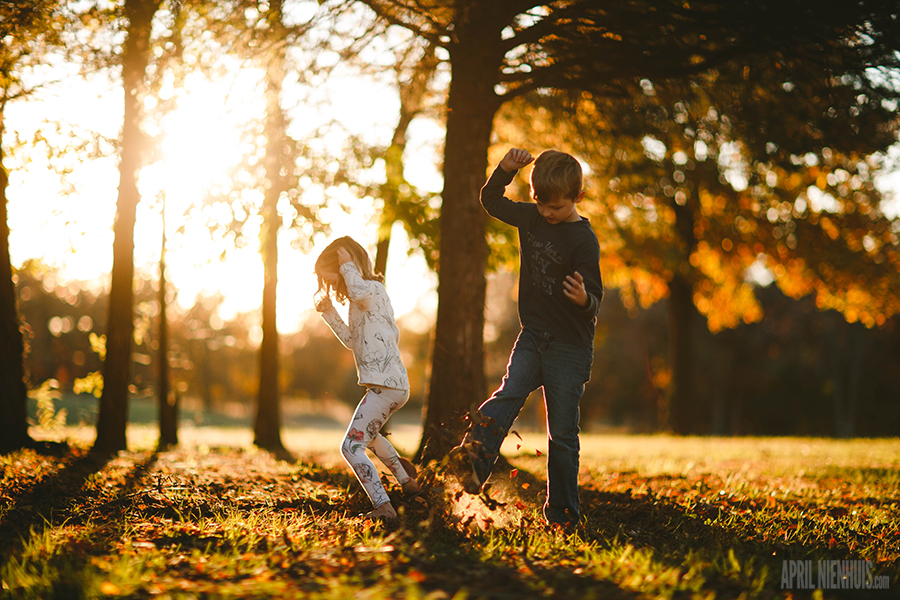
x=560, y=289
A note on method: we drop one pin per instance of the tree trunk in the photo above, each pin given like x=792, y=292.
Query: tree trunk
x=682, y=398
x=267, y=429
x=113, y=417
x=413, y=93
x=457, y=376
x=13, y=393
x=168, y=402
x=684, y=413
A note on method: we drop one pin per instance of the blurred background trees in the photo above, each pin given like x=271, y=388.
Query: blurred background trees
x=798, y=371
x=732, y=153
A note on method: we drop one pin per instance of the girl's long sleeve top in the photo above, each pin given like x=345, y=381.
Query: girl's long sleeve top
x=372, y=333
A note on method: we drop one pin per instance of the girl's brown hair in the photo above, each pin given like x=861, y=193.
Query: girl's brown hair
x=328, y=261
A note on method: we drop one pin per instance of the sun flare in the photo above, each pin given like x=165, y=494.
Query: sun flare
x=211, y=127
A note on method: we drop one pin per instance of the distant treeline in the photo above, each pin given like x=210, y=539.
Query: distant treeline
x=800, y=371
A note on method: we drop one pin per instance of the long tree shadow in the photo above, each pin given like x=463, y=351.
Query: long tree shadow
x=61, y=498
x=736, y=553
x=47, y=503
x=722, y=536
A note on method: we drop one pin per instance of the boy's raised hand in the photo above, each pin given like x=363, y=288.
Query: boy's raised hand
x=515, y=159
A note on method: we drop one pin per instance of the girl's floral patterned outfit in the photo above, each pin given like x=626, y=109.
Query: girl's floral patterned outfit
x=373, y=337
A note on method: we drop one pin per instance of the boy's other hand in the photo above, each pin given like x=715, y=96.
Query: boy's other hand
x=343, y=256
x=515, y=159
x=573, y=288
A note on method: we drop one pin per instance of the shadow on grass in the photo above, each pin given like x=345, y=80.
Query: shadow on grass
x=47, y=504
x=712, y=535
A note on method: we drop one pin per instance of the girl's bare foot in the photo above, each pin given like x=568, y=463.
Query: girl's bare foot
x=385, y=512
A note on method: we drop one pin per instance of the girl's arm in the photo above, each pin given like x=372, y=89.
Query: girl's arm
x=340, y=329
x=358, y=289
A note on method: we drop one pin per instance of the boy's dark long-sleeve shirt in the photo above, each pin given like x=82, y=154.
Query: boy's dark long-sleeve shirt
x=547, y=253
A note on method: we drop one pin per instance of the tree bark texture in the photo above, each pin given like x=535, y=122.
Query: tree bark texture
x=113, y=416
x=13, y=393
x=684, y=411
x=168, y=402
x=267, y=428
x=457, y=376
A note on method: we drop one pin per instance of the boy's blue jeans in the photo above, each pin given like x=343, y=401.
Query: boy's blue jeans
x=562, y=369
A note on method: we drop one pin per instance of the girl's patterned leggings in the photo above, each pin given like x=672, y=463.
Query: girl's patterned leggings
x=376, y=406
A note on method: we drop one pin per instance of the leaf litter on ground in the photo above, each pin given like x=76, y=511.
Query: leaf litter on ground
x=237, y=522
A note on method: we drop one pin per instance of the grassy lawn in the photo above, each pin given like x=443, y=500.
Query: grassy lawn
x=663, y=517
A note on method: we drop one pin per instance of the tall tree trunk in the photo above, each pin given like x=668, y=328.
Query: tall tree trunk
x=684, y=417
x=113, y=417
x=168, y=402
x=267, y=429
x=682, y=397
x=457, y=375
x=13, y=393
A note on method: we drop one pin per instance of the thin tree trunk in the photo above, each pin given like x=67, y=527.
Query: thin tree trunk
x=413, y=94
x=113, y=416
x=168, y=402
x=267, y=429
x=457, y=376
x=13, y=393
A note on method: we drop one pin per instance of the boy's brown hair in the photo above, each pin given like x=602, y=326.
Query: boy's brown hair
x=555, y=174
x=329, y=261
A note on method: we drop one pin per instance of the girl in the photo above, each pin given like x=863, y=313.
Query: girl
x=344, y=269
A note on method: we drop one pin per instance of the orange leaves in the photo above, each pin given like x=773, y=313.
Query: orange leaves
x=416, y=575
x=829, y=227
x=722, y=295
x=109, y=589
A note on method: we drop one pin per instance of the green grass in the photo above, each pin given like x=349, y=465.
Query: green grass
x=663, y=518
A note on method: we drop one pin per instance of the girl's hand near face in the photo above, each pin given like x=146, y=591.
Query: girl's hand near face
x=343, y=256
x=323, y=303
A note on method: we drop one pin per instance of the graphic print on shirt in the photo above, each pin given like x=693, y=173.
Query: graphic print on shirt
x=370, y=331
x=378, y=356
x=547, y=267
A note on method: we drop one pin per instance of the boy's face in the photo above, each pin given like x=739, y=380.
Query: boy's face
x=559, y=209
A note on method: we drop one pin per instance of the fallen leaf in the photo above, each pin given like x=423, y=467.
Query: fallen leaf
x=513, y=473
x=417, y=576
x=110, y=589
